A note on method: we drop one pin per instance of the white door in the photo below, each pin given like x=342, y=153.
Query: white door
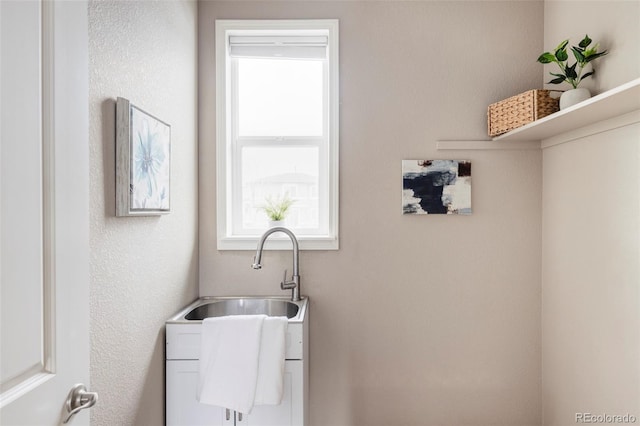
x=44, y=210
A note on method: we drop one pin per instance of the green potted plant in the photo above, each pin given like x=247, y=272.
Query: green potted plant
x=572, y=74
x=277, y=209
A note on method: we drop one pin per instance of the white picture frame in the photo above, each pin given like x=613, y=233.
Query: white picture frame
x=143, y=162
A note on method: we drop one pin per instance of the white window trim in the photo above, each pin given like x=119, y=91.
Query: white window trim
x=227, y=241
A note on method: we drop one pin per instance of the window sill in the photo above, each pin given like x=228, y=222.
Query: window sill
x=275, y=242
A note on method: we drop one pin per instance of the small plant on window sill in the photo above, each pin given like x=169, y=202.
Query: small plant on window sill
x=277, y=209
x=583, y=56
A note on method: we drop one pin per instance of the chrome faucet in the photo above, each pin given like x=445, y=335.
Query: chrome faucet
x=294, y=283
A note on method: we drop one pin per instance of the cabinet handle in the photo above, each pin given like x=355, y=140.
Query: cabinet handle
x=228, y=413
x=239, y=417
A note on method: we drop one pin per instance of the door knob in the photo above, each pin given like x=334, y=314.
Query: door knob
x=79, y=399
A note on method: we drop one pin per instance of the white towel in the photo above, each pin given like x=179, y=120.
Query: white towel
x=242, y=361
x=270, y=383
x=229, y=361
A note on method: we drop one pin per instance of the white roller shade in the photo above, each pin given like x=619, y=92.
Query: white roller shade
x=283, y=47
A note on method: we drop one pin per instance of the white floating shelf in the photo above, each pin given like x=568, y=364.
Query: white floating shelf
x=612, y=103
x=469, y=145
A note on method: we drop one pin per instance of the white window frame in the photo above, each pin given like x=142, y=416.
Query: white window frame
x=225, y=155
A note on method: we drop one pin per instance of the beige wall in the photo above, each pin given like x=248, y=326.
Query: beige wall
x=591, y=253
x=591, y=243
x=415, y=320
x=615, y=24
x=142, y=269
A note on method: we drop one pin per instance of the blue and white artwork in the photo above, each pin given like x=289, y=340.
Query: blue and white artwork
x=150, y=162
x=436, y=187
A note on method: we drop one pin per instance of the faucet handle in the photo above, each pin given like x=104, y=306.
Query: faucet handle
x=286, y=284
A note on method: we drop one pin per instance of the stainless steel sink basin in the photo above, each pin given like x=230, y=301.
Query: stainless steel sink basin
x=220, y=308
x=208, y=307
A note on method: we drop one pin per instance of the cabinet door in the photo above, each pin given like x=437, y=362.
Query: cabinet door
x=290, y=412
x=182, y=407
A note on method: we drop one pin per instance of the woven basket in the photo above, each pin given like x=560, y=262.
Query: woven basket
x=519, y=110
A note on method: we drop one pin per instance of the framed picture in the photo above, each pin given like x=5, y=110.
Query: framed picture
x=436, y=187
x=143, y=162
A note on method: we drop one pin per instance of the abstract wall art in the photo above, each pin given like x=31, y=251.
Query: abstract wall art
x=436, y=187
x=143, y=162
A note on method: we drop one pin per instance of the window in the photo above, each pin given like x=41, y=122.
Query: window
x=277, y=130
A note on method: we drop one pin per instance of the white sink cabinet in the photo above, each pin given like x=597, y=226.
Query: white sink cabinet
x=182, y=365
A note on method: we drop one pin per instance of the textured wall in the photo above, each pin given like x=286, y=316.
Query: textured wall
x=615, y=24
x=591, y=243
x=415, y=320
x=143, y=269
